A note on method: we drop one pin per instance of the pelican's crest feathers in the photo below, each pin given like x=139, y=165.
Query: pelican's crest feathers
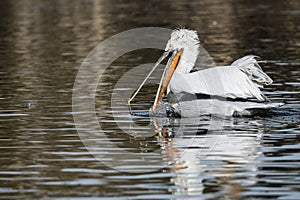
x=189, y=41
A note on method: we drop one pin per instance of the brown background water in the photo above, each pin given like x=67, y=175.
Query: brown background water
x=42, y=44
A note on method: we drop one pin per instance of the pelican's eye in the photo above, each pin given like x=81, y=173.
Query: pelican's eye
x=169, y=47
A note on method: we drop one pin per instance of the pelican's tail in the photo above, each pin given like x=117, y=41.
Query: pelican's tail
x=250, y=66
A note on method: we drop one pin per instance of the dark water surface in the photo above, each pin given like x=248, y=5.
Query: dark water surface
x=43, y=43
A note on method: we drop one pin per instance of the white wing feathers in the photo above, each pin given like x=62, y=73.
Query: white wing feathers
x=240, y=80
x=250, y=66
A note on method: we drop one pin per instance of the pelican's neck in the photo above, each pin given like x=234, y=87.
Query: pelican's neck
x=188, y=59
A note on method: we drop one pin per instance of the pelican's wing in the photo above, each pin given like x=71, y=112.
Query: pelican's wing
x=227, y=81
x=250, y=66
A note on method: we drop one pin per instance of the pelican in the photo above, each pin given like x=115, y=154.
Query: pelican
x=234, y=89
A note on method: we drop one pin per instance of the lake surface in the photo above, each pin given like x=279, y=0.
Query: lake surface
x=42, y=46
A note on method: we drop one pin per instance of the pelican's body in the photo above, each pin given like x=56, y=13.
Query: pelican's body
x=241, y=80
x=223, y=81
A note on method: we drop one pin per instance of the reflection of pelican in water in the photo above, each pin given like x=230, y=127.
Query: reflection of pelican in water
x=211, y=163
x=241, y=80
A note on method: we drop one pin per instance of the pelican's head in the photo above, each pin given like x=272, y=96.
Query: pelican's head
x=184, y=46
x=189, y=41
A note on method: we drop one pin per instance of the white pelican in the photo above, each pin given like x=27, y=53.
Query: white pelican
x=240, y=82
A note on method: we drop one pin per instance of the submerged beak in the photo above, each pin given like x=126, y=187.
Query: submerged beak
x=163, y=86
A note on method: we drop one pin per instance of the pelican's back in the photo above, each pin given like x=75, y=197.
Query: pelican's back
x=240, y=80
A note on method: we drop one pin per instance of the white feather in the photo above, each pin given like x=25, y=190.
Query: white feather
x=226, y=81
x=222, y=108
x=189, y=41
x=240, y=80
x=250, y=66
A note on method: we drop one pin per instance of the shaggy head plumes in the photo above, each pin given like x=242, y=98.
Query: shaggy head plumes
x=189, y=41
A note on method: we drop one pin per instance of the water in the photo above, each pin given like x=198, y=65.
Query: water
x=43, y=43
